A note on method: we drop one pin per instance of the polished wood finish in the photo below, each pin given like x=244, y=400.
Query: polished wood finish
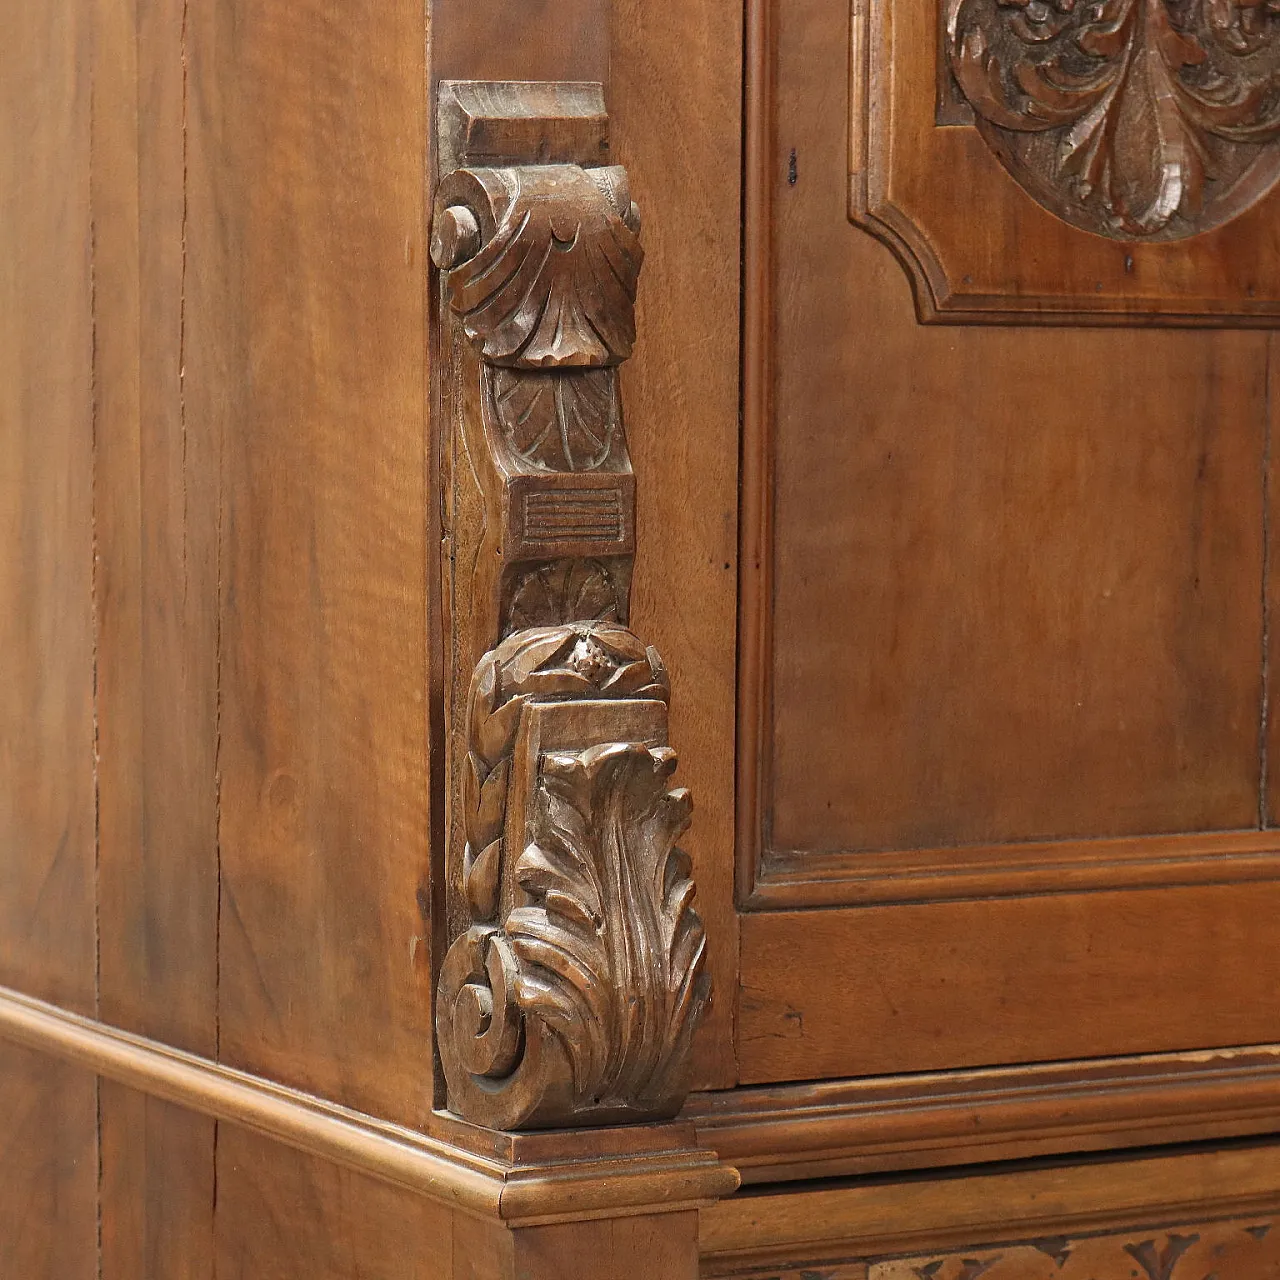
x=833, y=1128
x=48, y=1138
x=308, y=344
x=1084, y=145
x=525, y=1180
x=952, y=984
x=882, y=1217
x=1004, y=639
x=684, y=165
x=1130, y=1201
x=46, y=511
x=576, y=973
x=48, y=1168
x=1003, y=653
x=1130, y=167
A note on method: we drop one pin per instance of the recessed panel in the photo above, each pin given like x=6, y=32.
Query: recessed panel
x=1016, y=573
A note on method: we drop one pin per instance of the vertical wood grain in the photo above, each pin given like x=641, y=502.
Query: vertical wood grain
x=46, y=508
x=158, y=489
x=1017, y=577
x=48, y=1141
x=156, y=486
x=305, y=340
x=646, y=1247
x=675, y=107
x=48, y=1169
x=526, y=40
x=157, y=1189
x=284, y=1215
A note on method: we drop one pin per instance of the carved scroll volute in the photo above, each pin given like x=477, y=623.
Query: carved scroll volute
x=576, y=974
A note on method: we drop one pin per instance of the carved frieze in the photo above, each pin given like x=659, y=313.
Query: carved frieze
x=575, y=974
x=1130, y=118
x=1247, y=1250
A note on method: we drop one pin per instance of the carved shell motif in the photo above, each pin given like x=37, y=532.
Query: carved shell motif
x=574, y=994
x=1134, y=119
x=553, y=285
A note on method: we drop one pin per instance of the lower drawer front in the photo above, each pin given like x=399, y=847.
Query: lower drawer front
x=1199, y=1215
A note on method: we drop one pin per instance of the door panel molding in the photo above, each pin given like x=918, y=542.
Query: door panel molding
x=1037, y=239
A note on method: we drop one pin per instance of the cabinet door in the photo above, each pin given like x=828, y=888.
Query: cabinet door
x=1008, y=780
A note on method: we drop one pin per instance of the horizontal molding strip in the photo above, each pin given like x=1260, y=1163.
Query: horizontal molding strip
x=788, y=880
x=884, y=1124
x=350, y=1138
x=617, y=1184
x=794, y=1231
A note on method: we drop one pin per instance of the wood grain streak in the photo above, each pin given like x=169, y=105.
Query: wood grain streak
x=305, y=248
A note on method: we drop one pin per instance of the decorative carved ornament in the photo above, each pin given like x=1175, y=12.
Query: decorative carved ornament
x=1242, y=1250
x=1118, y=159
x=1245, y=1249
x=576, y=973
x=1130, y=118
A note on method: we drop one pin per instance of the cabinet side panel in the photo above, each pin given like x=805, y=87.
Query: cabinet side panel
x=46, y=508
x=283, y=1214
x=48, y=1169
x=307, y=134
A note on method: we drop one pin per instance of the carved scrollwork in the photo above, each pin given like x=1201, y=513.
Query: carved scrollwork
x=1135, y=119
x=576, y=974
x=574, y=992
x=552, y=283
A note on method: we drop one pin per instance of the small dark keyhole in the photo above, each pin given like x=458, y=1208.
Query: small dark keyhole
x=793, y=174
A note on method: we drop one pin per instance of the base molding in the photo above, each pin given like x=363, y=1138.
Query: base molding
x=843, y=1127
x=1095, y=1220
x=522, y=1181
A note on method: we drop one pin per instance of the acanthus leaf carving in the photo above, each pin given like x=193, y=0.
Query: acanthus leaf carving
x=559, y=421
x=576, y=973
x=1134, y=119
x=573, y=995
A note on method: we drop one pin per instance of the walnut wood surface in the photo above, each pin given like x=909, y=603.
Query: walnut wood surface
x=48, y=1158
x=155, y=499
x=865, y=1221
x=683, y=160
x=307, y=332
x=833, y=1128
x=575, y=972
x=1008, y=631
x=1132, y=120
x=1049, y=1220
x=1177, y=140
x=948, y=984
x=48, y=1168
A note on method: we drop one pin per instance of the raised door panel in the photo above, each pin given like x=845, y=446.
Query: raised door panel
x=1005, y=677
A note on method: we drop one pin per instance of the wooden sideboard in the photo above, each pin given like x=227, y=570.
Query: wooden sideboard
x=638, y=640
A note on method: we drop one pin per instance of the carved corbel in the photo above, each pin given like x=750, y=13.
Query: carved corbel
x=575, y=975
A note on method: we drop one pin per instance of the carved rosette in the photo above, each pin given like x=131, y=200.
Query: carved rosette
x=1134, y=119
x=576, y=973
